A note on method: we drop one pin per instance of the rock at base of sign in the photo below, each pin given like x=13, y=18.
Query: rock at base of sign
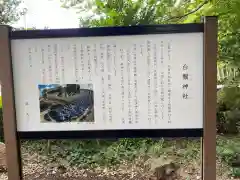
x=162, y=169
x=3, y=164
x=236, y=162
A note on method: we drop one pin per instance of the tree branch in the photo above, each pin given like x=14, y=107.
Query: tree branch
x=191, y=12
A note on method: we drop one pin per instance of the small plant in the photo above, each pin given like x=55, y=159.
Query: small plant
x=89, y=153
x=228, y=150
x=228, y=110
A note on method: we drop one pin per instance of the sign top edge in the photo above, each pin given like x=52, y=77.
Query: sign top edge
x=108, y=31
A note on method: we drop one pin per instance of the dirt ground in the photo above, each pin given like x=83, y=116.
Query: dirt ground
x=37, y=171
x=36, y=168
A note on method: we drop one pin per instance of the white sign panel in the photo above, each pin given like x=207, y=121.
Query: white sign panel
x=107, y=83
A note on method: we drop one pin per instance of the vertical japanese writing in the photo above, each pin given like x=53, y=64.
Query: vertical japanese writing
x=102, y=70
x=155, y=76
x=82, y=60
x=122, y=82
x=49, y=63
x=27, y=110
x=109, y=69
x=114, y=59
x=62, y=64
x=103, y=99
x=75, y=61
x=30, y=57
x=102, y=49
x=109, y=59
x=149, y=80
x=89, y=62
x=162, y=84
x=43, y=71
x=141, y=49
x=95, y=58
x=135, y=82
x=169, y=84
x=185, y=78
x=55, y=53
x=129, y=87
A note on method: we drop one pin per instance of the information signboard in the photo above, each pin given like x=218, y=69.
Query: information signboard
x=110, y=82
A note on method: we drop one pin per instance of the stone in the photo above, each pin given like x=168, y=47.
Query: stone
x=3, y=163
x=236, y=162
x=162, y=168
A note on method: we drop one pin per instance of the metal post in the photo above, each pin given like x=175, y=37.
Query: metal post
x=210, y=86
x=9, y=116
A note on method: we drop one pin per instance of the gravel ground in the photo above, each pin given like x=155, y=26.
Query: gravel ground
x=36, y=168
x=35, y=171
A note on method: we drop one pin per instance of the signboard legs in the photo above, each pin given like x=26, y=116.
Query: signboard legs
x=9, y=118
x=210, y=73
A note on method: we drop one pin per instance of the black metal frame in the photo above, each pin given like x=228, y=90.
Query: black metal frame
x=107, y=31
x=111, y=134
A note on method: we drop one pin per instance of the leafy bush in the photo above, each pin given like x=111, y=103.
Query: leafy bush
x=228, y=122
x=229, y=98
x=228, y=110
x=90, y=153
x=228, y=150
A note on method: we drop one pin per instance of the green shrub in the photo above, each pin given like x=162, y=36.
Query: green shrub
x=228, y=110
x=90, y=153
x=228, y=122
x=228, y=150
x=229, y=98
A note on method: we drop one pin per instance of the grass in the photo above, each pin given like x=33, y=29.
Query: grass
x=0, y=101
x=111, y=153
x=227, y=150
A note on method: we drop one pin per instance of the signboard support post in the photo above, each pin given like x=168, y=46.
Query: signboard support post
x=12, y=142
x=209, y=105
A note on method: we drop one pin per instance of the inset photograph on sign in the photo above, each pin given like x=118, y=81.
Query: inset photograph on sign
x=66, y=103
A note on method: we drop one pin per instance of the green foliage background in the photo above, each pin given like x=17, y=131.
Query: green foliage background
x=10, y=11
x=142, y=12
